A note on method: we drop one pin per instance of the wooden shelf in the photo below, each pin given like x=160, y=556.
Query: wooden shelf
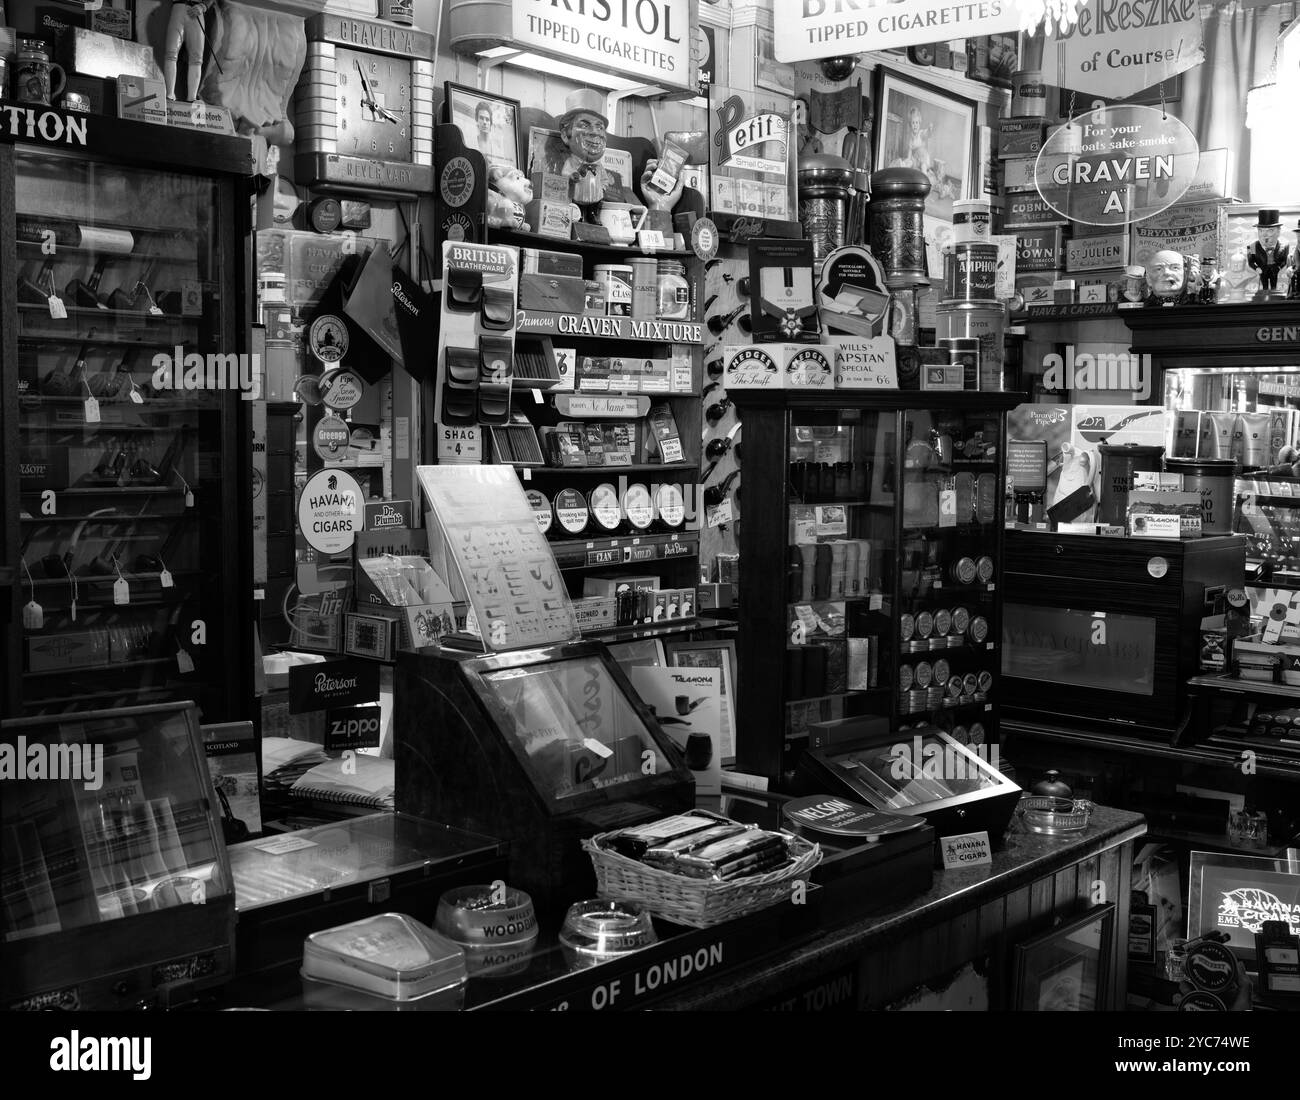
x=864, y=693
x=114, y=666
x=654, y=630
x=600, y=553
x=635, y=468
x=1238, y=686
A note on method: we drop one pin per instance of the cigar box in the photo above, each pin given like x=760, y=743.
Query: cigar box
x=142, y=99
x=1040, y=249
x=1028, y=211
x=551, y=293
x=92, y=53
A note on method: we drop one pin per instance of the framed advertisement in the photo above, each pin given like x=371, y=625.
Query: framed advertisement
x=720, y=654
x=921, y=126
x=1068, y=968
x=1238, y=231
x=488, y=123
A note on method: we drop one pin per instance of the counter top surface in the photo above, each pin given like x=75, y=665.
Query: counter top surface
x=1024, y=857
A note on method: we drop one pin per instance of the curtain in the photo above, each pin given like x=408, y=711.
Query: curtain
x=1240, y=43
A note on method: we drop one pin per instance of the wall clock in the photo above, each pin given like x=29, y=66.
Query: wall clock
x=364, y=107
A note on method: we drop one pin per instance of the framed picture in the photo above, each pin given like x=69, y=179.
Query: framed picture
x=488, y=123
x=920, y=126
x=1068, y=968
x=1238, y=232
x=769, y=73
x=642, y=653
x=713, y=654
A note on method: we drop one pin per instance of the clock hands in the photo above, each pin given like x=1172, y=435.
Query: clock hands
x=369, y=100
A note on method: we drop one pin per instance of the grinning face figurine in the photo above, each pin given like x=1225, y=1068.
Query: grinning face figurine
x=1268, y=235
x=1165, y=274
x=585, y=135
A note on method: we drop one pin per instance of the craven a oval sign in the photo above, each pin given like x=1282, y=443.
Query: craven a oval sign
x=1116, y=165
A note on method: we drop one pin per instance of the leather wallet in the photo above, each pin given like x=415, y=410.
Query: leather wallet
x=459, y=406
x=462, y=367
x=464, y=291
x=497, y=360
x=493, y=404
x=498, y=313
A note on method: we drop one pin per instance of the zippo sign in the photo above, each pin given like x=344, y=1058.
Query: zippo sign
x=352, y=728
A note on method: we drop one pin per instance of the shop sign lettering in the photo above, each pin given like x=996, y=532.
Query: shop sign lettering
x=1116, y=165
x=810, y=29
x=51, y=127
x=640, y=38
x=341, y=683
x=755, y=144
x=1118, y=47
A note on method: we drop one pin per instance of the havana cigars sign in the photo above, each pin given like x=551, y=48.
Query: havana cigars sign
x=1116, y=47
x=648, y=39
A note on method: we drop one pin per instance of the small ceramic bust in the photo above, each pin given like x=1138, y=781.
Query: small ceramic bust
x=584, y=130
x=1267, y=255
x=1166, y=276
x=510, y=191
x=1133, y=291
x=1210, y=280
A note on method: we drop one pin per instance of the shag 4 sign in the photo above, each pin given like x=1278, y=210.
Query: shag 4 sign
x=1118, y=47
x=811, y=29
x=756, y=144
x=1116, y=165
x=642, y=38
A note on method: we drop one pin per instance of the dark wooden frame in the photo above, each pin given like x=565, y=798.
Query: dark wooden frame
x=230, y=162
x=1025, y=951
x=450, y=87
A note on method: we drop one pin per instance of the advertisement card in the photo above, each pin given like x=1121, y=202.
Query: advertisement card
x=688, y=705
x=1094, y=425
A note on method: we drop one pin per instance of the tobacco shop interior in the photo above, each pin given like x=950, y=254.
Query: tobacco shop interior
x=383, y=624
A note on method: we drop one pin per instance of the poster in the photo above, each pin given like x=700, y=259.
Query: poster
x=688, y=704
x=1091, y=426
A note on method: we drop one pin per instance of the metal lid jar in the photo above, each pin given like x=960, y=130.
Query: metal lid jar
x=825, y=188
x=898, y=224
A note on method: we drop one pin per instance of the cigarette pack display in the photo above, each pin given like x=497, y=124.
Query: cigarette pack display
x=1096, y=253
x=1025, y=211
x=662, y=439
x=1019, y=137
x=1037, y=289
x=1040, y=249
x=595, y=613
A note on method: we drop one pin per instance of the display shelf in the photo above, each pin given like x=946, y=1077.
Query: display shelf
x=560, y=244
x=85, y=579
x=860, y=694
x=879, y=506
x=159, y=517
x=621, y=329
x=111, y=490
x=143, y=662
x=1214, y=842
x=123, y=257
x=33, y=401
x=635, y=468
x=654, y=630
x=107, y=426
x=84, y=313
x=617, y=392
x=1225, y=682
x=582, y=553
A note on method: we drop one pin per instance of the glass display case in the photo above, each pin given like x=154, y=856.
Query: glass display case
x=115, y=886
x=878, y=518
x=126, y=393
x=541, y=747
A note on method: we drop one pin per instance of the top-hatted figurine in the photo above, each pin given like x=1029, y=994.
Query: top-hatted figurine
x=1267, y=255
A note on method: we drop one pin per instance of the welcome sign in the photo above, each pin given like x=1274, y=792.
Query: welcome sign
x=810, y=29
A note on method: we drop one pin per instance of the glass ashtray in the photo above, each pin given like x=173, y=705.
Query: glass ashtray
x=595, y=931
x=1054, y=816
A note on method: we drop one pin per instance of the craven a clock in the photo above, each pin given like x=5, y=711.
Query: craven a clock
x=364, y=107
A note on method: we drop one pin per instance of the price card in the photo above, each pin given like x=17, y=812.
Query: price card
x=875, y=602
x=283, y=845
x=721, y=514
x=92, y=410
x=965, y=850
x=184, y=662
x=121, y=591
x=57, y=309
x=165, y=579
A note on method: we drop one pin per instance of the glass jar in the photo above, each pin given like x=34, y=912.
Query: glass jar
x=674, y=291
x=1176, y=961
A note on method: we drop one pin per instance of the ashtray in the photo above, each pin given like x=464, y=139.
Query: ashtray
x=595, y=931
x=1054, y=816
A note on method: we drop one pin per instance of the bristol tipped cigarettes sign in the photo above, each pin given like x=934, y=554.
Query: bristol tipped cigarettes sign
x=810, y=29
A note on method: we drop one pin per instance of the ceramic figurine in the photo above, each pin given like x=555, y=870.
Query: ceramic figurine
x=185, y=28
x=1166, y=277
x=510, y=190
x=1267, y=255
x=1210, y=280
x=583, y=129
x=1134, y=290
x=1293, y=286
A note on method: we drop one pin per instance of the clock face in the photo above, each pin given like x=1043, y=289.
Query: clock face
x=374, y=105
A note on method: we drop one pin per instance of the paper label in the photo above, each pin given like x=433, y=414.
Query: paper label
x=165, y=579
x=121, y=591
x=57, y=309
x=92, y=410
x=283, y=845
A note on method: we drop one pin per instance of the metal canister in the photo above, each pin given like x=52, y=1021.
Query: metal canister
x=397, y=11
x=979, y=629
x=1028, y=94
x=986, y=322
x=964, y=352
x=645, y=289
x=971, y=273
x=924, y=673
x=960, y=620
x=969, y=684
x=984, y=569
x=825, y=188
x=943, y=622
x=970, y=221
x=941, y=671
x=963, y=571
x=1212, y=478
x=924, y=624
x=898, y=224
x=1119, y=462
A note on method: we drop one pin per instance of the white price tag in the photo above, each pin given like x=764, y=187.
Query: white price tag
x=57, y=309
x=136, y=398
x=121, y=591
x=965, y=850
x=184, y=662
x=721, y=514
x=92, y=410
x=165, y=579
x=189, y=499
x=155, y=311
x=876, y=602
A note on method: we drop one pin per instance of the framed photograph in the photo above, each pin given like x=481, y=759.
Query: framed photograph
x=769, y=73
x=488, y=123
x=920, y=126
x=1068, y=968
x=712, y=654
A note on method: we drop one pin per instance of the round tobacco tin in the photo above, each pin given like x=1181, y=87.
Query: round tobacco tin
x=924, y=674
x=906, y=627
x=969, y=684
x=984, y=569
x=924, y=624
x=943, y=622
x=330, y=438
x=954, y=687
x=307, y=387
x=964, y=571
x=977, y=733
x=571, y=511
x=670, y=504
x=984, y=682
x=941, y=671
x=328, y=338
x=341, y=388
x=1211, y=966
x=605, y=507
x=541, y=510
x=905, y=678
x=638, y=507
x=831, y=817
x=961, y=735
x=960, y=620
x=979, y=629
x=325, y=214
x=1200, y=1001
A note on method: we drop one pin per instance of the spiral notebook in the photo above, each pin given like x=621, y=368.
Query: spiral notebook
x=355, y=779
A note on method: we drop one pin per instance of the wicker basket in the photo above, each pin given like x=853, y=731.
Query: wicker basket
x=699, y=903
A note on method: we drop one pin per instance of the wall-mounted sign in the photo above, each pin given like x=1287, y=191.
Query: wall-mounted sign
x=330, y=438
x=346, y=682
x=1116, y=165
x=330, y=511
x=1117, y=49
x=811, y=29
x=757, y=143
x=341, y=388
x=644, y=39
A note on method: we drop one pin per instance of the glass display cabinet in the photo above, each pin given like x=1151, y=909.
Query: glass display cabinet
x=126, y=389
x=870, y=565
x=115, y=889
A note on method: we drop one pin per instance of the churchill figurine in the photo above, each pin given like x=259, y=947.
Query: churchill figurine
x=1267, y=255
